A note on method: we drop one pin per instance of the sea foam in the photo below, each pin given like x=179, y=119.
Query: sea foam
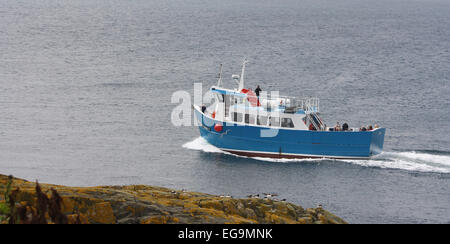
x=407, y=160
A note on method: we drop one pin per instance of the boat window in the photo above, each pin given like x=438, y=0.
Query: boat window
x=249, y=119
x=237, y=117
x=287, y=122
x=227, y=101
x=274, y=121
x=262, y=120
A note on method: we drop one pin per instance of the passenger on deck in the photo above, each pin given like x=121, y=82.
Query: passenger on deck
x=311, y=127
x=369, y=128
x=376, y=126
x=203, y=108
x=337, y=127
x=345, y=127
x=257, y=91
x=363, y=129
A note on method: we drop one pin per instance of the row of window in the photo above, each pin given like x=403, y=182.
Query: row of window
x=262, y=120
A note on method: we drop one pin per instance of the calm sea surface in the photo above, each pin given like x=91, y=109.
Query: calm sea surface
x=86, y=86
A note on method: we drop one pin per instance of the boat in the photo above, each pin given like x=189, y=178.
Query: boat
x=269, y=125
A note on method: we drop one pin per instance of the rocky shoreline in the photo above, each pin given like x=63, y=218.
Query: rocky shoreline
x=141, y=204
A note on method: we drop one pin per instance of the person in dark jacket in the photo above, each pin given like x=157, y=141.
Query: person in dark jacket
x=257, y=91
x=203, y=108
x=345, y=127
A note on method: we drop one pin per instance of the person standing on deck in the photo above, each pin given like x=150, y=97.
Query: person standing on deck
x=257, y=91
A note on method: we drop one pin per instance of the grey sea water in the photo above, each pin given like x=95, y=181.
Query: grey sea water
x=86, y=85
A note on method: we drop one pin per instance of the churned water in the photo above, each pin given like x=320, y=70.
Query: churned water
x=86, y=86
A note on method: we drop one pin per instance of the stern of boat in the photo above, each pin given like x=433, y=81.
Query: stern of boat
x=377, y=141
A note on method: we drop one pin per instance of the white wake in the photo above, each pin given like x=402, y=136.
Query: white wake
x=409, y=160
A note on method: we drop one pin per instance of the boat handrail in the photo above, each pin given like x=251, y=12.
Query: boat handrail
x=308, y=104
x=316, y=121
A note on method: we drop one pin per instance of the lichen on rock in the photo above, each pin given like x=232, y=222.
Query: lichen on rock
x=141, y=204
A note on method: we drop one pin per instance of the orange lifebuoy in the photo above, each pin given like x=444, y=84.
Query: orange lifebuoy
x=214, y=115
x=218, y=127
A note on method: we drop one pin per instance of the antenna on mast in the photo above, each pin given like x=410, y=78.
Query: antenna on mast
x=219, y=81
x=241, y=81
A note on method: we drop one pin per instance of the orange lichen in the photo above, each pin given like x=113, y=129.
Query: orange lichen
x=158, y=205
x=101, y=213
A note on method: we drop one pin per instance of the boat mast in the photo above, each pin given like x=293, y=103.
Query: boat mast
x=241, y=81
x=219, y=82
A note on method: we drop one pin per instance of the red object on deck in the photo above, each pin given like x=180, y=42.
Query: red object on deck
x=251, y=97
x=218, y=127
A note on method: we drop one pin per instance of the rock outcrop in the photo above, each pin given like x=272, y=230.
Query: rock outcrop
x=157, y=205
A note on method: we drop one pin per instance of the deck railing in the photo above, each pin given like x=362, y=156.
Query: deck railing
x=308, y=104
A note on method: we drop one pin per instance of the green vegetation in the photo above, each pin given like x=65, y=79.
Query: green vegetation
x=5, y=210
x=12, y=211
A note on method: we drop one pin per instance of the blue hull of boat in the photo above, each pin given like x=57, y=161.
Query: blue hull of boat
x=247, y=141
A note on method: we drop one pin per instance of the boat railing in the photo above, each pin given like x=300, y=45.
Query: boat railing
x=308, y=104
x=270, y=100
x=316, y=121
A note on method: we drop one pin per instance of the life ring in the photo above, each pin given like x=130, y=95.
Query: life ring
x=218, y=127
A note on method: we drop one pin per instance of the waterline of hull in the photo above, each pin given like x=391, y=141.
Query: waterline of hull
x=285, y=155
